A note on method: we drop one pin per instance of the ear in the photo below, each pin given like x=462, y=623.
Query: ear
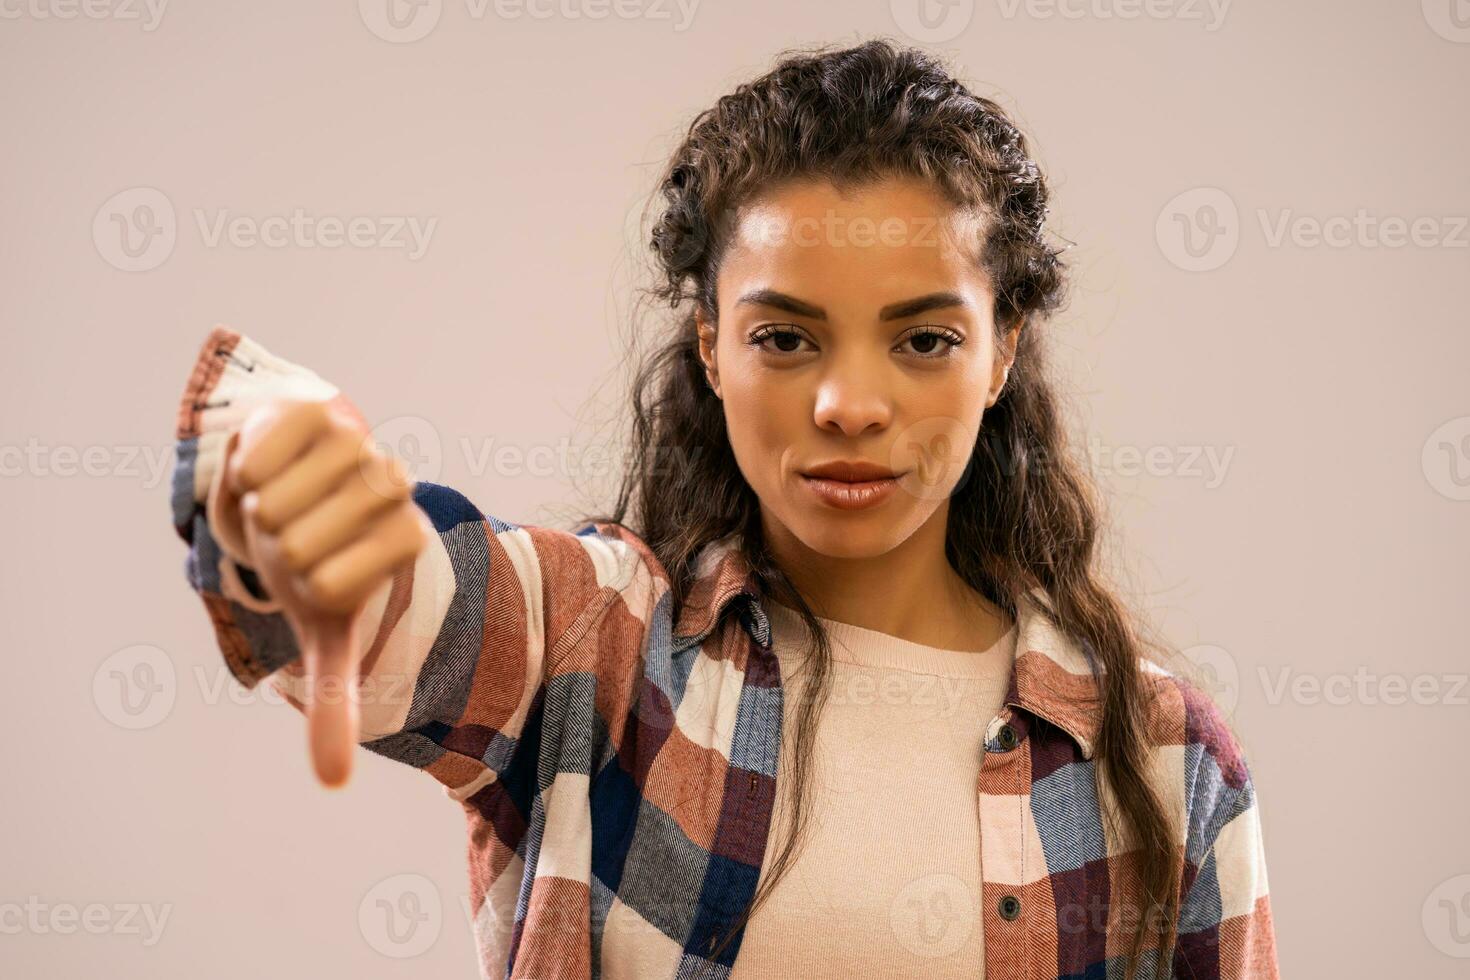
x=1005, y=356
x=707, y=345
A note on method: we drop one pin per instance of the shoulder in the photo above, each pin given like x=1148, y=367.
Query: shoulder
x=616, y=573
x=618, y=565
x=1183, y=713
x=626, y=553
x=1205, y=754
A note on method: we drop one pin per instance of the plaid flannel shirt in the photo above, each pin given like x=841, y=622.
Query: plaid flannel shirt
x=617, y=758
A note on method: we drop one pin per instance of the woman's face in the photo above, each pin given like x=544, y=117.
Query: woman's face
x=853, y=329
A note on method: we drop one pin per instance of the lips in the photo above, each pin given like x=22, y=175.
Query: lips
x=850, y=484
x=850, y=471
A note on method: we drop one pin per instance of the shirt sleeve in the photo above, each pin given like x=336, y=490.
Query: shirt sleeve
x=1225, y=927
x=459, y=644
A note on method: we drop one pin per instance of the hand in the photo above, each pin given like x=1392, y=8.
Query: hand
x=325, y=518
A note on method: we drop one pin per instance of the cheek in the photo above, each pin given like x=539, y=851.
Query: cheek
x=958, y=395
x=936, y=435
x=762, y=419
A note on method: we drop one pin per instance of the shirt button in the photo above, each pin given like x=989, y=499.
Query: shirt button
x=1007, y=738
x=1010, y=907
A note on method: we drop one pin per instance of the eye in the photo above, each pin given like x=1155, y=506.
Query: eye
x=924, y=338
x=786, y=336
x=927, y=336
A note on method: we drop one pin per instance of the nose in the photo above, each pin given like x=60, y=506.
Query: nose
x=852, y=400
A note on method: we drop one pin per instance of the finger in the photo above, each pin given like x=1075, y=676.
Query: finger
x=272, y=437
x=387, y=474
x=271, y=566
x=343, y=581
x=224, y=507
x=332, y=718
x=309, y=478
x=334, y=522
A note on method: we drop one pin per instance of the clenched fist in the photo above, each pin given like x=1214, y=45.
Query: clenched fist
x=325, y=518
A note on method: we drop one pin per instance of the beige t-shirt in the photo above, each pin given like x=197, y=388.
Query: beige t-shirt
x=887, y=883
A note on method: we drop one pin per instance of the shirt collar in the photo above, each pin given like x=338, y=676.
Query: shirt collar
x=721, y=576
x=1052, y=678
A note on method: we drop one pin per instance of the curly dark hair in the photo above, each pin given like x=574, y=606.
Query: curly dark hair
x=1025, y=513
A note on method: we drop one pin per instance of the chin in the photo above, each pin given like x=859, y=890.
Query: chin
x=849, y=535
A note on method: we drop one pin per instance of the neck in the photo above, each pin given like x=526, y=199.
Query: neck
x=910, y=591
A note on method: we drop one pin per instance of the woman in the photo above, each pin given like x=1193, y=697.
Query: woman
x=850, y=436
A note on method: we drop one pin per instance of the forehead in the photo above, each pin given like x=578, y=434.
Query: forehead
x=862, y=243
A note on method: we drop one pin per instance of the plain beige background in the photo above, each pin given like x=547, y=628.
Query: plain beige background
x=1277, y=404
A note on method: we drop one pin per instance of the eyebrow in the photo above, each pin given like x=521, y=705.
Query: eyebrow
x=893, y=311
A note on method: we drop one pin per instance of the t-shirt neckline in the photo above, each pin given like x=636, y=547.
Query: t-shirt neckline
x=865, y=647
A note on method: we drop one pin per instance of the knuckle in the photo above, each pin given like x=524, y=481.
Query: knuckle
x=327, y=591
x=259, y=511
x=368, y=451
x=386, y=477
x=380, y=541
x=407, y=537
x=311, y=412
x=294, y=550
x=419, y=529
x=246, y=464
x=400, y=486
x=348, y=443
